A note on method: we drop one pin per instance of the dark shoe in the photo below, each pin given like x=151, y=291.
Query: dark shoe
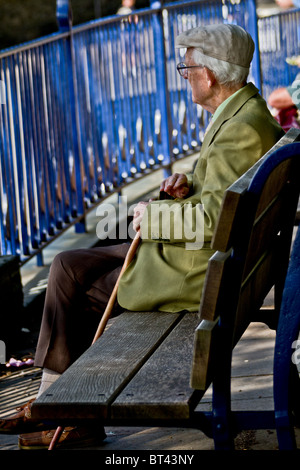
x=71, y=437
x=21, y=422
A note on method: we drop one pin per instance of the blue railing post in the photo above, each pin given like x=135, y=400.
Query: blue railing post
x=64, y=19
x=162, y=81
x=64, y=15
x=253, y=30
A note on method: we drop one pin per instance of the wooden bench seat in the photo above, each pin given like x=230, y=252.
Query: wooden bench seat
x=152, y=368
x=108, y=365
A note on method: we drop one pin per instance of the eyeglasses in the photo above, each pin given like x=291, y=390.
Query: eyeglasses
x=181, y=68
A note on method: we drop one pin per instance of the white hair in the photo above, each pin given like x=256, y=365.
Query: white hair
x=225, y=72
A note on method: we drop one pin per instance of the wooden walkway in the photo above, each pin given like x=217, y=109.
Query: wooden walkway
x=17, y=388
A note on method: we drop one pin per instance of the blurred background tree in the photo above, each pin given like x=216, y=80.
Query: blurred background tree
x=24, y=20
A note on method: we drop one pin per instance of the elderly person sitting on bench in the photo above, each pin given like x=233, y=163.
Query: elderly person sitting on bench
x=167, y=272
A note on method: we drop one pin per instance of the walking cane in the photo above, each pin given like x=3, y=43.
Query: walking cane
x=105, y=317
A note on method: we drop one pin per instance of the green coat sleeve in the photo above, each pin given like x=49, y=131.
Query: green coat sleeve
x=222, y=164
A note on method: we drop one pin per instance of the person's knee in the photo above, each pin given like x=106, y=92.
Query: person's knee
x=61, y=263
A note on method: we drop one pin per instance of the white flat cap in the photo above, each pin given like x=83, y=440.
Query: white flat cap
x=227, y=42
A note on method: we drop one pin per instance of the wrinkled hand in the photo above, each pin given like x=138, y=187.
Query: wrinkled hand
x=138, y=213
x=176, y=185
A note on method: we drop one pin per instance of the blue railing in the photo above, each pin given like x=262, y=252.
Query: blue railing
x=279, y=38
x=92, y=108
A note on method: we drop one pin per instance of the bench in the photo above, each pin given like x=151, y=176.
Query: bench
x=153, y=368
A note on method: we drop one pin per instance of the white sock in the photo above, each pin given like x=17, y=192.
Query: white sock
x=48, y=378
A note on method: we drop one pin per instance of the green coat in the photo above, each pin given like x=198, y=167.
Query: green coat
x=167, y=274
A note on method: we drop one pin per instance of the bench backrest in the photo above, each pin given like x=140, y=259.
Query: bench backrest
x=252, y=241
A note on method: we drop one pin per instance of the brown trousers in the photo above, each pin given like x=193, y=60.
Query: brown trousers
x=79, y=286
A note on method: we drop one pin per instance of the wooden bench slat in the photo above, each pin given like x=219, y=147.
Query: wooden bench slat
x=216, y=271
x=202, y=357
x=168, y=394
x=90, y=384
x=273, y=186
x=264, y=232
x=253, y=293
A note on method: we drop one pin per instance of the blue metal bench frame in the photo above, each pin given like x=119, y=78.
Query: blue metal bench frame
x=286, y=357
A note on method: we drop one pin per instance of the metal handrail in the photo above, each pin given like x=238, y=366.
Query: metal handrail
x=92, y=108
